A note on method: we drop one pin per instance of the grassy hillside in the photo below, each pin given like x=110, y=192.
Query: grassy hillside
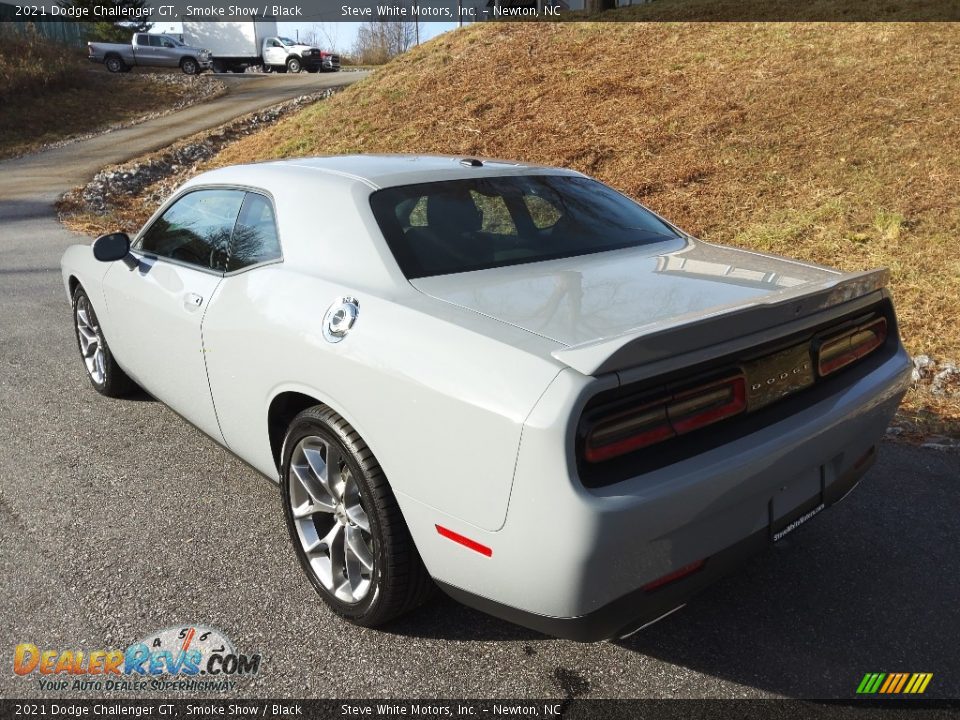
x=799, y=10
x=835, y=143
x=49, y=92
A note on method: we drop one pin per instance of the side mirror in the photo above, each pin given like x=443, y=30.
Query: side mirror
x=112, y=247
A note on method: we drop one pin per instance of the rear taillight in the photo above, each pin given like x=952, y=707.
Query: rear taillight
x=676, y=414
x=838, y=351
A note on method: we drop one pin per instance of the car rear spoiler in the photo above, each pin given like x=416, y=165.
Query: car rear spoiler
x=675, y=336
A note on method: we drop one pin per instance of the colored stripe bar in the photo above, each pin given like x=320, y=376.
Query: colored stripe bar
x=903, y=680
x=894, y=683
x=875, y=685
x=465, y=541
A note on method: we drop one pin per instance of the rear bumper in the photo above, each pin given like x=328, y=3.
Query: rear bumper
x=572, y=561
x=640, y=607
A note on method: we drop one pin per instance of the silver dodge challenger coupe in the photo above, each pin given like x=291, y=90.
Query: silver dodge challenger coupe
x=508, y=381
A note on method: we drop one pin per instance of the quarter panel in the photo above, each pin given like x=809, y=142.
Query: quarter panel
x=440, y=405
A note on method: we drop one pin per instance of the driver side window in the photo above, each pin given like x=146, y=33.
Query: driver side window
x=196, y=229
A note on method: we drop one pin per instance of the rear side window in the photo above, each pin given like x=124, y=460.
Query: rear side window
x=196, y=229
x=461, y=225
x=255, y=238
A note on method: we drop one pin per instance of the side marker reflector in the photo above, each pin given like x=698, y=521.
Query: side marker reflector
x=465, y=541
x=674, y=576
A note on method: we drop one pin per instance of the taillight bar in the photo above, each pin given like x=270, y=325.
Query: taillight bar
x=838, y=351
x=667, y=417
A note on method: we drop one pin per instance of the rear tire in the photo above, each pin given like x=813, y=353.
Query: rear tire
x=105, y=375
x=115, y=64
x=344, y=522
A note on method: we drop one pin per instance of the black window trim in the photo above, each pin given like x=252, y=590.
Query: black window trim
x=134, y=246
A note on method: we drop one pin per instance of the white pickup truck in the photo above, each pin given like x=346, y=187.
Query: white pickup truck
x=149, y=50
x=235, y=46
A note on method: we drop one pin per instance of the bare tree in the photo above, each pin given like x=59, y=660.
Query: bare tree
x=380, y=41
x=323, y=35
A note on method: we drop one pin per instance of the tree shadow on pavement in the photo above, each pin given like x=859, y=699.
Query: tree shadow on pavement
x=446, y=619
x=871, y=586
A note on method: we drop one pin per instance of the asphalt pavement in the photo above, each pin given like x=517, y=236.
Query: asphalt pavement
x=117, y=518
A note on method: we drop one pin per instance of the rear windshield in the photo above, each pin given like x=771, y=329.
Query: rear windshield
x=455, y=226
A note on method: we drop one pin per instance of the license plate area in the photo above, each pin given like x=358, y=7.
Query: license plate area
x=795, y=503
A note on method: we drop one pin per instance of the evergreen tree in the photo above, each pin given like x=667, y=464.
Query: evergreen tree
x=107, y=31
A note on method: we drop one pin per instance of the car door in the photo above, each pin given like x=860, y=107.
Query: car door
x=236, y=330
x=167, y=53
x=157, y=308
x=273, y=52
x=146, y=49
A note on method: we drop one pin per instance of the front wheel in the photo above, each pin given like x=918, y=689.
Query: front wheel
x=105, y=375
x=294, y=65
x=189, y=66
x=345, y=524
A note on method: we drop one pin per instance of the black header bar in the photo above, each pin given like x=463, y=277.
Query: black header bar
x=497, y=10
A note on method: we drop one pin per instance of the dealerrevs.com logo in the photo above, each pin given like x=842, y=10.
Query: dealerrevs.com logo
x=190, y=657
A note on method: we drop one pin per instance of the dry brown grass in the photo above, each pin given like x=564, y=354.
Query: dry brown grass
x=30, y=65
x=835, y=143
x=49, y=93
x=780, y=10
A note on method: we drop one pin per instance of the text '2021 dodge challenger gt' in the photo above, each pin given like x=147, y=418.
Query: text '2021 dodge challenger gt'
x=506, y=380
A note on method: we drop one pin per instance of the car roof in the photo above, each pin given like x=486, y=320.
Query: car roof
x=379, y=171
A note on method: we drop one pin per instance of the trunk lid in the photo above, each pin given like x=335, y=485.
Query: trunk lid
x=598, y=307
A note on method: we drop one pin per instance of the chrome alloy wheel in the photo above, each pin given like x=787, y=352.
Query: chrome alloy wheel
x=91, y=341
x=332, y=525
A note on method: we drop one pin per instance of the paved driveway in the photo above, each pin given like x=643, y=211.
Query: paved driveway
x=117, y=518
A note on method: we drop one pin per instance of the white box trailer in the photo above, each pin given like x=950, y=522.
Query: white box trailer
x=233, y=45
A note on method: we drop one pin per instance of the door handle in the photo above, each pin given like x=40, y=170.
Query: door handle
x=192, y=301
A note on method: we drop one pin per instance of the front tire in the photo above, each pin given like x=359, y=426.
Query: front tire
x=345, y=524
x=189, y=66
x=105, y=375
x=294, y=65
